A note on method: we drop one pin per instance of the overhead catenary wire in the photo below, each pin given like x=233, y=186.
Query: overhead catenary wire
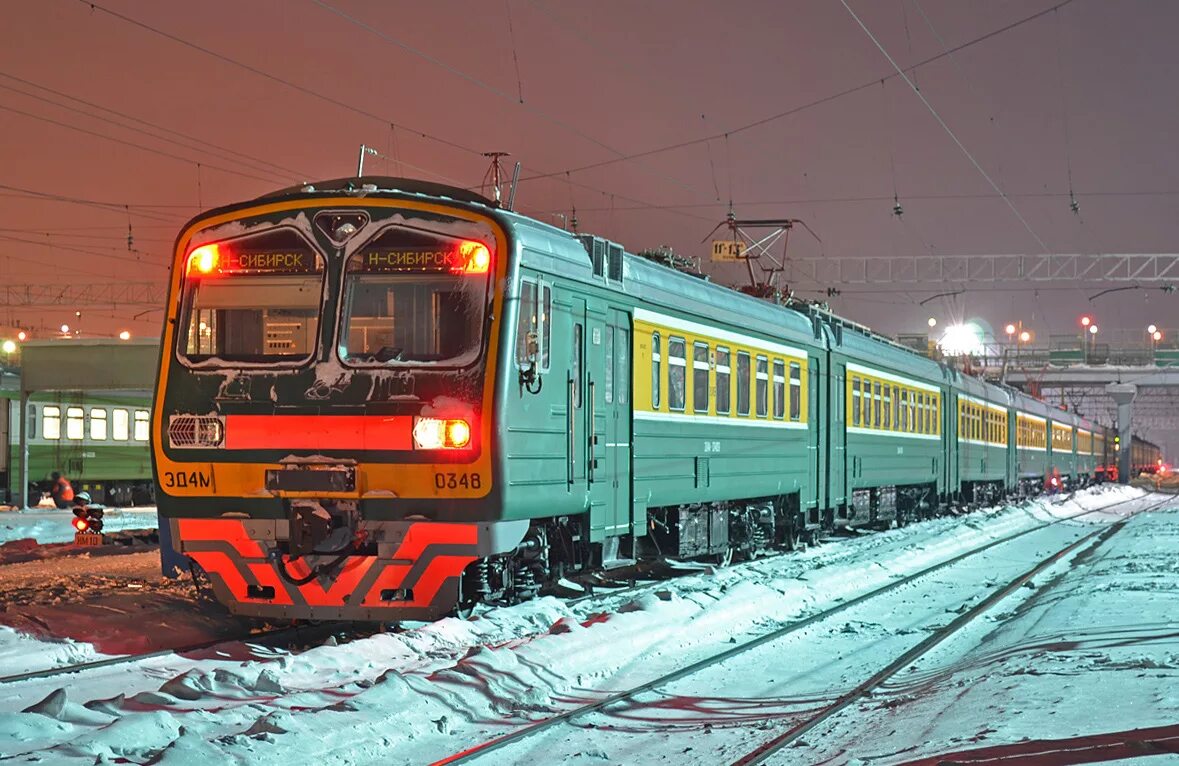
x=221, y=152
x=802, y=107
x=472, y=79
x=947, y=129
x=131, y=144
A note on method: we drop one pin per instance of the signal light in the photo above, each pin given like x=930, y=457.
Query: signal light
x=204, y=259
x=476, y=258
x=438, y=433
x=80, y=524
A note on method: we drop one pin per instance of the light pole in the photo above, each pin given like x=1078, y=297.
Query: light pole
x=1086, y=323
x=1024, y=337
x=1093, y=332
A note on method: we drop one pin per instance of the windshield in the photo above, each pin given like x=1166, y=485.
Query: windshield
x=253, y=299
x=412, y=297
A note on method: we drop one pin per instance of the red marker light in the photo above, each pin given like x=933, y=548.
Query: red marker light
x=475, y=256
x=204, y=259
x=81, y=525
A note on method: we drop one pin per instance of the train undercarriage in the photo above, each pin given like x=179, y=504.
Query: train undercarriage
x=718, y=533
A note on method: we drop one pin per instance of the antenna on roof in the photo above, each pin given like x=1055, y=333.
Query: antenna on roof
x=360, y=162
x=512, y=188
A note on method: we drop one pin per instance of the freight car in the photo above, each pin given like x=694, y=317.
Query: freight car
x=386, y=399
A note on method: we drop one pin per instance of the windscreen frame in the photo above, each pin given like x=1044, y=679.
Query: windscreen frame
x=344, y=303
x=218, y=362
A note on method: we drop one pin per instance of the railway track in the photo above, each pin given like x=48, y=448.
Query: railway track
x=273, y=637
x=791, y=735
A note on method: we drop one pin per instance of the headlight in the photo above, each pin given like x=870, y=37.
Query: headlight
x=439, y=433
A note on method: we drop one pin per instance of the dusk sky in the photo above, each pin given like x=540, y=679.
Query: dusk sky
x=1090, y=86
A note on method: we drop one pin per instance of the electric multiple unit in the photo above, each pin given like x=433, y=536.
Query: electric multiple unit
x=383, y=399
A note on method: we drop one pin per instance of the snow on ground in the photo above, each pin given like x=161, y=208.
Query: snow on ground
x=435, y=689
x=50, y=525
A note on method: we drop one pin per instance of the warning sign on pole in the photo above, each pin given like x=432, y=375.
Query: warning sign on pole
x=728, y=250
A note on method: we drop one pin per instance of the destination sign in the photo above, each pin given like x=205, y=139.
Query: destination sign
x=278, y=262
x=412, y=260
x=467, y=257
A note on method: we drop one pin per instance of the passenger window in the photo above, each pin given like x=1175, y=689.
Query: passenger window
x=887, y=407
x=546, y=334
x=577, y=364
x=795, y=391
x=722, y=381
x=779, y=389
x=142, y=425
x=676, y=374
x=762, y=386
x=855, y=402
x=75, y=423
x=742, y=382
x=51, y=427
x=700, y=377
x=120, y=425
x=876, y=405
x=527, y=327
x=655, y=364
x=608, y=378
x=904, y=410
x=622, y=359
x=32, y=421
x=98, y=424
x=866, y=400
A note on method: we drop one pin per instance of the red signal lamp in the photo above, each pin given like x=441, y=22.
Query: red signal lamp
x=475, y=256
x=204, y=259
x=81, y=524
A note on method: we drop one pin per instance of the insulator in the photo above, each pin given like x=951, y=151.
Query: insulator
x=897, y=210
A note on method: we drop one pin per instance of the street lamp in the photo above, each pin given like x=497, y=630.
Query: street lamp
x=1152, y=329
x=1025, y=336
x=125, y=335
x=932, y=322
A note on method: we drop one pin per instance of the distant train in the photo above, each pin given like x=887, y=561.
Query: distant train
x=385, y=399
x=99, y=441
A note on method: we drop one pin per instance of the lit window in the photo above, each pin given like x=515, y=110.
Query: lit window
x=75, y=423
x=142, y=427
x=120, y=425
x=51, y=422
x=98, y=424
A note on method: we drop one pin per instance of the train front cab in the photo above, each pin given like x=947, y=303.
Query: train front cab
x=323, y=424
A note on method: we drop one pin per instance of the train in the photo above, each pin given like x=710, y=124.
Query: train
x=386, y=399
x=98, y=440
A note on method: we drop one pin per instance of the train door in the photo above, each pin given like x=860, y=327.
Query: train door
x=576, y=439
x=815, y=496
x=598, y=484
x=616, y=401
x=835, y=427
x=953, y=444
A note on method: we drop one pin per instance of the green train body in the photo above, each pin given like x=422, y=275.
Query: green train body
x=98, y=440
x=604, y=408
